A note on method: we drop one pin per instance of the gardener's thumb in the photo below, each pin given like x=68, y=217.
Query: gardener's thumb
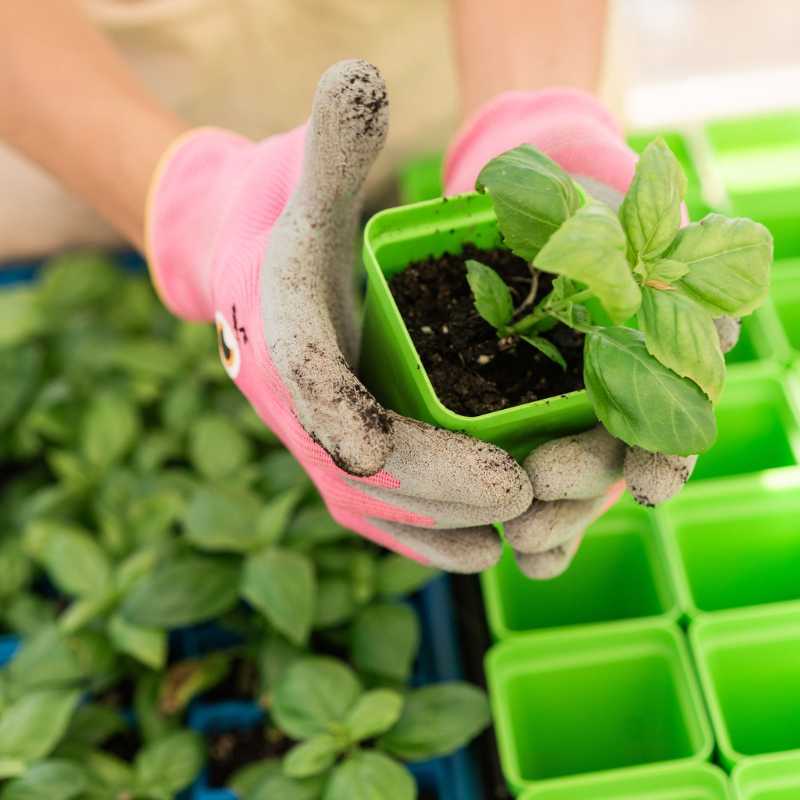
x=348, y=125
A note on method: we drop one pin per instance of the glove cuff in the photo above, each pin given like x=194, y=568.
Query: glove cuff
x=570, y=126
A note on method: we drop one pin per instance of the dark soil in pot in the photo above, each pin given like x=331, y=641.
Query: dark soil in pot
x=228, y=751
x=472, y=371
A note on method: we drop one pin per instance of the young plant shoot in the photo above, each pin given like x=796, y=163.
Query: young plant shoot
x=644, y=290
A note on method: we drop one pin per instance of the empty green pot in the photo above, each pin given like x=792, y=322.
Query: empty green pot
x=768, y=778
x=390, y=365
x=749, y=666
x=619, y=573
x=594, y=699
x=735, y=545
x=689, y=782
x=757, y=425
x=758, y=161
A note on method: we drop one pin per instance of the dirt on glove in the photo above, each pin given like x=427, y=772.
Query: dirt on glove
x=471, y=370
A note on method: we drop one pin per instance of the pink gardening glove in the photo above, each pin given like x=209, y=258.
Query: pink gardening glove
x=577, y=478
x=260, y=238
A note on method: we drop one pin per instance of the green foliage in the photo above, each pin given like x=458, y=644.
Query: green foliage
x=146, y=491
x=655, y=390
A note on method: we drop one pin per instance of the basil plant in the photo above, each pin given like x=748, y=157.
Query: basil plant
x=644, y=290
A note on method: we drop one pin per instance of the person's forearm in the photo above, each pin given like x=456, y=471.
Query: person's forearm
x=70, y=103
x=526, y=44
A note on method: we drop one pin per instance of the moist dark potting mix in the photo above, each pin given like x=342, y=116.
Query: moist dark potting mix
x=230, y=750
x=472, y=371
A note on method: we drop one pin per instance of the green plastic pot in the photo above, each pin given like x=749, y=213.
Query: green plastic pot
x=619, y=573
x=690, y=782
x=758, y=162
x=757, y=425
x=696, y=203
x=390, y=365
x=749, y=666
x=736, y=545
x=786, y=304
x=768, y=778
x=594, y=700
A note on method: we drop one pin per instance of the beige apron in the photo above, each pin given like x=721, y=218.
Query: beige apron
x=249, y=65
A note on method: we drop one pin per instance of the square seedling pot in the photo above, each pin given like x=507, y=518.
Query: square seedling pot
x=594, y=700
x=690, y=782
x=736, y=545
x=758, y=162
x=768, y=778
x=749, y=663
x=390, y=365
x=696, y=203
x=619, y=574
x=757, y=426
x=786, y=304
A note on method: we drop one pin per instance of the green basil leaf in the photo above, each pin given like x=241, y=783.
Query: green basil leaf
x=21, y=317
x=369, y=775
x=532, y=196
x=171, y=763
x=216, y=447
x=334, y=603
x=273, y=519
x=92, y=724
x=48, y=658
x=651, y=210
x=385, y=640
x=314, y=694
x=729, y=262
x=27, y=614
x=49, y=780
x=491, y=295
x=399, y=576
x=78, y=280
x=114, y=774
x=182, y=405
x=186, y=590
x=87, y=609
x=275, y=656
x=546, y=347
x=109, y=429
x=281, y=471
x=281, y=585
x=437, y=720
x=33, y=725
x=313, y=756
x=222, y=518
x=682, y=336
x=17, y=569
x=641, y=401
x=156, y=448
x=590, y=247
x=147, y=645
x=76, y=563
x=20, y=373
x=246, y=780
x=278, y=785
x=374, y=713
x=146, y=356
x=153, y=723
x=665, y=270
x=313, y=526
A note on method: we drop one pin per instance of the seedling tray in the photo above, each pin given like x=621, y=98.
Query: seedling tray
x=620, y=573
x=735, y=545
x=8, y=647
x=692, y=782
x=758, y=162
x=768, y=778
x=595, y=700
x=757, y=424
x=749, y=662
x=762, y=337
x=786, y=304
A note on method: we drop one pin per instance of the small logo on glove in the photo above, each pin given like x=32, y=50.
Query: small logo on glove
x=228, y=346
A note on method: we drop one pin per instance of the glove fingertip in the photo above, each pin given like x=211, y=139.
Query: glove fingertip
x=654, y=478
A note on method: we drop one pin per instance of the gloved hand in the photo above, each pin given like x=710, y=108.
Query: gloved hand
x=260, y=238
x=577, y=478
